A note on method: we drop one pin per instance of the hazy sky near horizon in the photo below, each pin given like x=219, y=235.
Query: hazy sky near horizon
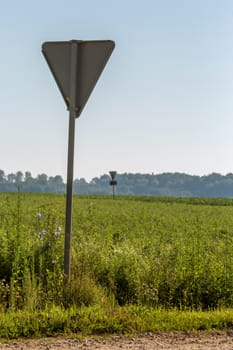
x=164, y=102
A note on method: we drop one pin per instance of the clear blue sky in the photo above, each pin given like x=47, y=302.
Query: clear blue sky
x=164, y=102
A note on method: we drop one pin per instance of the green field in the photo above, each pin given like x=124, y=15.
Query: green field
x=136, y=261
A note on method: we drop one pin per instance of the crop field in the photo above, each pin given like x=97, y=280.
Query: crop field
x=147, y=252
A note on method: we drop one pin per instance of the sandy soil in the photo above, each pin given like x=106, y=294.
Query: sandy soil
x=158, y=341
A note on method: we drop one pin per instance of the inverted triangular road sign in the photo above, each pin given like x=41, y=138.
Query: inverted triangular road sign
x=90, y=61
x=112, y=174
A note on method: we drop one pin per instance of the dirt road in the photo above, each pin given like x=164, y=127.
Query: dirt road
x=158, y=341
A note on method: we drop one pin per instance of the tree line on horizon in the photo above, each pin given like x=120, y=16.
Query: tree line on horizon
x=166, y=184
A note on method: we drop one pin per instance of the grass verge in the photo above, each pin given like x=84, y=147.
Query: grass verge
x=100, y=320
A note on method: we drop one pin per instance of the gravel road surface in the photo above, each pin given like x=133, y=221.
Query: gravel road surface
x=149, y=341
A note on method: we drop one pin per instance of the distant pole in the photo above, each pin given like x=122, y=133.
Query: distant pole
x=113, y=191
x=70, y=163
x=113, y=182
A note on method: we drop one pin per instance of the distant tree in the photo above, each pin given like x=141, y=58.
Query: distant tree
x=56, y=184
x=80, y=186
x=42, y=179
x=94, y=181
x=11, y=178
x=2, y=176
x=57, y=180
x=28, y=177
x=19, y=177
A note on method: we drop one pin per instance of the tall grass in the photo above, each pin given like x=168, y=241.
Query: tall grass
x=160, y=254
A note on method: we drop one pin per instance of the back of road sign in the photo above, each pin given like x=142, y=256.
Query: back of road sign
x=92, y=57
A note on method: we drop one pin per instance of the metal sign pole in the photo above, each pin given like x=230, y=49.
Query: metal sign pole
x=70, y=163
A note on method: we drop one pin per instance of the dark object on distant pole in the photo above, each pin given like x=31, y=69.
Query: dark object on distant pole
x=113, y=182
x=76, y=66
